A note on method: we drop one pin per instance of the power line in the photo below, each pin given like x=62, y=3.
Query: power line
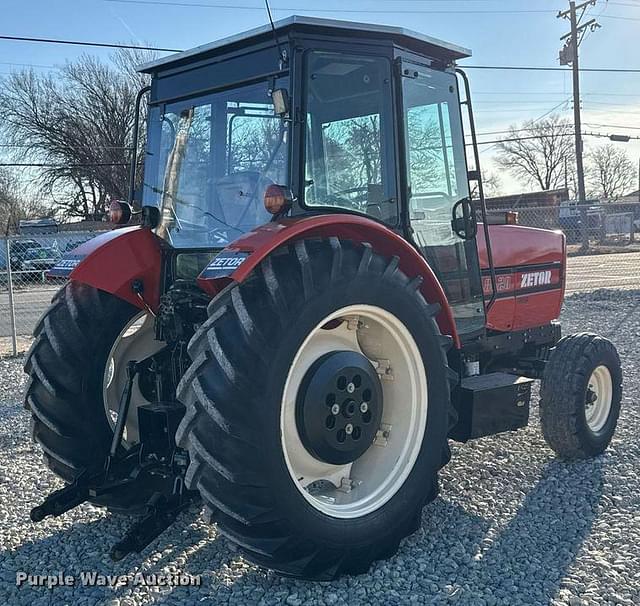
x=48, y=165
x=553, y=69
x=603, y=135
x=24, y=146
x=177, y=50
x=554, y=108
x=29, y=65
x=85, y=43
x=508, y=110
x=327, y=10
x=349, y=10
x=620, y=18
x=543, y=136
x=554, y=93
x=593, y=124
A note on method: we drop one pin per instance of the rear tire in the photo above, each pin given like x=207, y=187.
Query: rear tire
x=580, y=396
x=233, y=392
x=66, y=366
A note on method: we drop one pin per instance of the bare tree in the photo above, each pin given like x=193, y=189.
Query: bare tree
x=538, y=151
x=16, y=204
x=79, y=123
x=491, y=184
x=610, y=172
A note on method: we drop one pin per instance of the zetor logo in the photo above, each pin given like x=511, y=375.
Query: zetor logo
x=536, y=278
x=226, y=262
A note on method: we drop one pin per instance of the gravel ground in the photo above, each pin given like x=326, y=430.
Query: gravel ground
x=512, y=524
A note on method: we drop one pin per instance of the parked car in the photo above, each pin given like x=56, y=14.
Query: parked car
x=570, y=220
x=39, y=259
x=75, y=243
x=19, y=249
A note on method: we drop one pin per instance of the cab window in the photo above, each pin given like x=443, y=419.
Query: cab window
x=349, y=147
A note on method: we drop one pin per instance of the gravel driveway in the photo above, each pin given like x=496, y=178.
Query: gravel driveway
x=512, y=524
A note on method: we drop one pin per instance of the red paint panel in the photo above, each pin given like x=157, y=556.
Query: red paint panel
x=266, y=238
x=537, y=309
x=514, y=245
x=117, y=258
x=501, y=316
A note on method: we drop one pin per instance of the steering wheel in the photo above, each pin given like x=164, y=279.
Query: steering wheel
x=465, y=227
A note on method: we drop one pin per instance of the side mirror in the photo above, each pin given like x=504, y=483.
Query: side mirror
x=280, y=99
x=119, y=212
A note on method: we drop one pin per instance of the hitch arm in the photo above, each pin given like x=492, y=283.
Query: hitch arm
x=161, y=513
x=62, y=500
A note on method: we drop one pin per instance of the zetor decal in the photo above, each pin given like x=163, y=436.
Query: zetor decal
x=535, y=278
x=64, y=267
x=224, y=264
x=507, y=284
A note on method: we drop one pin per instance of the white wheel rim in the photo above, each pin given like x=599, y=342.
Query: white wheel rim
x=136, y=341
x=599, y=398
x=363, y=486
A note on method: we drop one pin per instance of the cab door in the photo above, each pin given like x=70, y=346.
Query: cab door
x=441, y=220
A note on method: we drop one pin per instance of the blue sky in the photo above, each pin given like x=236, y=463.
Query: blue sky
x=496, y=38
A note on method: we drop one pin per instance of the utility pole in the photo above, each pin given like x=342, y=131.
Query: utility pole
x=569, y=56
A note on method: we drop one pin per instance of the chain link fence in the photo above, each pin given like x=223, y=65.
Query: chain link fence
x=25, y=291
x=591, y=226
x=603, y=238
x=603, y=246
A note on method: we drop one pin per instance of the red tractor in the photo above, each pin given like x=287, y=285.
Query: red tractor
x=311, y=307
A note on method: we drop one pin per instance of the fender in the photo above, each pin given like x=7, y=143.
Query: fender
x=241, y=257
x=113, y=261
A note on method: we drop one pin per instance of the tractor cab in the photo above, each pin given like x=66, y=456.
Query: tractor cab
x=334, y=118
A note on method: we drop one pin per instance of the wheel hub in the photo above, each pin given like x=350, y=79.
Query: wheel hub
x=339, y=407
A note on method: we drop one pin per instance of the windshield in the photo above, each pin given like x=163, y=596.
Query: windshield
x=209, y=162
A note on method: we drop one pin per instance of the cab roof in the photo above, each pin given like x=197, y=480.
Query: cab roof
x=420, y=43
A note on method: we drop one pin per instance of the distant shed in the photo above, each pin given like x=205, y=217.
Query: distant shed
x=38, y=226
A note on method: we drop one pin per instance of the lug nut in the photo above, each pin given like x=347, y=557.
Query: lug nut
x=348, y=429
x=364, y=407
x=335, y=409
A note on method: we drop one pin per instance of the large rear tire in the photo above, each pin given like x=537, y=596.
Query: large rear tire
x=66, y=367
x=287, y=507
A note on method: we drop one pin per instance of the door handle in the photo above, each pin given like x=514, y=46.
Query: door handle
x=465, y=226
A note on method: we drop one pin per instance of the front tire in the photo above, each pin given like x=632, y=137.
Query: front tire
x=267, y=488
x=580, y=396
